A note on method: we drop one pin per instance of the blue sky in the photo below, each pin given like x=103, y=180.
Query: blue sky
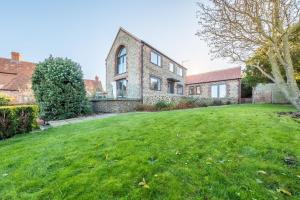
x=84, y=30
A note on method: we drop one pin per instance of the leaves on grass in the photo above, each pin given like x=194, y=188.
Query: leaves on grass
x=106, y=156
x=178, y=153
x=290, y=160
x=144, y=184
x=298, y=176
x=258, y=181
x=284, y=191
x=261, y=172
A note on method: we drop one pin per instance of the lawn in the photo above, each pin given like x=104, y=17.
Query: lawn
x=228, y=152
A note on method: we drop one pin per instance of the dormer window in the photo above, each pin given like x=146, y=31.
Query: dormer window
x=121, y=61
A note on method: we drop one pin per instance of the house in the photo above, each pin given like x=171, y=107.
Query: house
x=137, y=70
x=224, y=85
x=15, y=80
x=93, y=87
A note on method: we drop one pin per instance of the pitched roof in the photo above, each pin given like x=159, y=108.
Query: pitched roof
x=15, y=75
x=141, y=41
x=214, y=76
x=92, y=86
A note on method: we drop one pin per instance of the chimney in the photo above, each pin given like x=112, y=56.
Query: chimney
x=97, y=78
x=16, y=56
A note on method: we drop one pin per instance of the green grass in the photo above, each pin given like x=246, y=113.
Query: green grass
x=230, y=152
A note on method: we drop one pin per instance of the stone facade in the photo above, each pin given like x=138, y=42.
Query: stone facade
x=233, y=88
x=267, y=93
x=139, y=69
x=114, y=106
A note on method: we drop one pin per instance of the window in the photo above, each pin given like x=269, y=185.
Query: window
x=171, y=85
x=198, y=89
x=191, y=90
x=171, y=67
x=121, y=88
x=179, y=89
x=155, y=83
x=179, y=71
x=121, y=61
x=218, y=91
x=155, y=58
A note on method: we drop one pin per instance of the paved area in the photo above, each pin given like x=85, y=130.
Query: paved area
x=80, y=119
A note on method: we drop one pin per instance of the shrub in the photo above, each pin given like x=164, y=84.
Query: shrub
x=17, y=119
x=163, y=105
x=59, y=89
x=217, y=102
x=144, y=107
x=187, y=102
x=4, y=100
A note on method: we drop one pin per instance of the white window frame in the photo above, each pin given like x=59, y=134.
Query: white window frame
x=159, y=83
x=171, y=67
x=219, y=91
x=179, y=71
x=155, y=58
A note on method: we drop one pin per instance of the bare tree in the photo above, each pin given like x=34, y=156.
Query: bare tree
x=237, y=28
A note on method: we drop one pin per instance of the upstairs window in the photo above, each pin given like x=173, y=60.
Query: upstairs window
x=155, y=58
x=179, y=71
x=171, y=67
x=121, y=61
x=155, y=83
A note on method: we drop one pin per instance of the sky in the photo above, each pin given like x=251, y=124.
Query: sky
x=83, y=30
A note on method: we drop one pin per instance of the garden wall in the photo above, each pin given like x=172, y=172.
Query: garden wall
x=268, y=93
x=115, y=105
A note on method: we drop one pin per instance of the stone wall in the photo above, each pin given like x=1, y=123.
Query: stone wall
x=232, y=93
x=114, y=106
x=162, y=72
x=267, y=93
x=133, y=72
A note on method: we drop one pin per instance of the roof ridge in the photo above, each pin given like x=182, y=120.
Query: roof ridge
x=218, y=70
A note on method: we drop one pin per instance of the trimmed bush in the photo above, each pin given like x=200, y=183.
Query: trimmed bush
x=163, y=105
x=17, y=120
x=4, y=100
x=59, y=89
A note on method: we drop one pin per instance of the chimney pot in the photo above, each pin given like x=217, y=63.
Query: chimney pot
x=16, y=56
x=97, y=78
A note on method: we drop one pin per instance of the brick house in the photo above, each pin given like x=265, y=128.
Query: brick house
x=137, y=70
x=224, y=85
x=15, y=80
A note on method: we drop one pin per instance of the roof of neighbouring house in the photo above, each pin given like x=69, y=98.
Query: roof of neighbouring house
x=15, y=75
x=214, y=76
x=93, y=86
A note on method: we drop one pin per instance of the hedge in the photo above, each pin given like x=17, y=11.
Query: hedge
x=17, y=120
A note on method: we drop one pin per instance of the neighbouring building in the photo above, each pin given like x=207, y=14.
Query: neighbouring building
x=224, y=85
x=138, y=71
x=15, y=80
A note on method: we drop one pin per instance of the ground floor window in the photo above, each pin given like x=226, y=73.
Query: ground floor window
x=180, y=89
x=171, y=85
x=218, y=91
x=191, y=90
x=121, y=88
x=198, y=90
x=155, y=83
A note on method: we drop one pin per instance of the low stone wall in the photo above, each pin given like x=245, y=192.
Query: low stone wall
x=114, y=105
x=268, y=93
x=151, y=100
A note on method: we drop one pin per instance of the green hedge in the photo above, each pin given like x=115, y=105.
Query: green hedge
x=17, y=120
